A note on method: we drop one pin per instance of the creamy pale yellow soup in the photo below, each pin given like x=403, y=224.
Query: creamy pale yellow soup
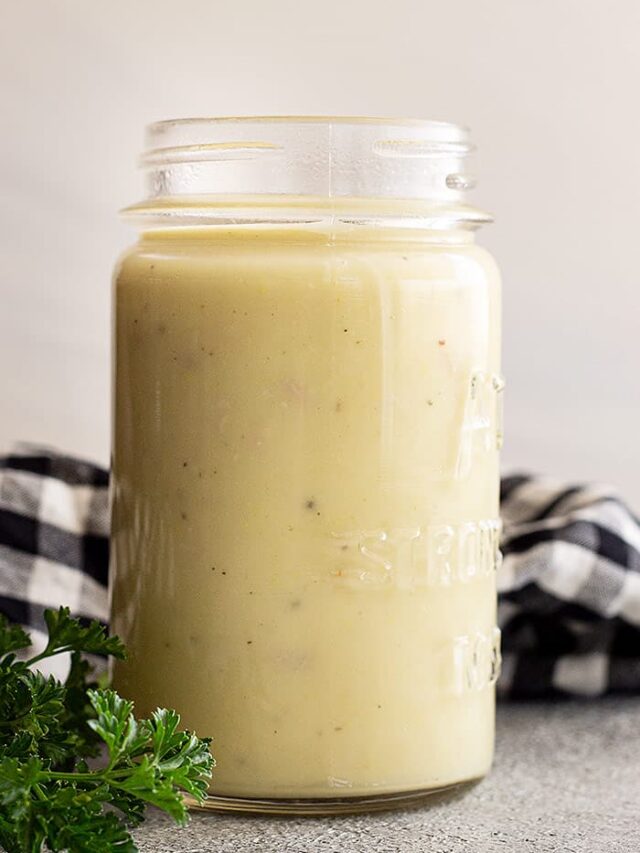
x=306, y=502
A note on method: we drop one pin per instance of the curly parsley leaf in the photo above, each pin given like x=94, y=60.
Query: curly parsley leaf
x=12, y=637
x=151, y=760
x=66, y=634
x=17, y=780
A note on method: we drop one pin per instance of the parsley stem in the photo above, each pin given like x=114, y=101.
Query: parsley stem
x=39, y=792
x=105, y=775
x=48, y=653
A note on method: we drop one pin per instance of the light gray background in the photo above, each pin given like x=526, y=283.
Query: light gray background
x=550, y=89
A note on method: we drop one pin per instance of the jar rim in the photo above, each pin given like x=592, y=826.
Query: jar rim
x=312, y=119
x=308, y=157
x=171, y=141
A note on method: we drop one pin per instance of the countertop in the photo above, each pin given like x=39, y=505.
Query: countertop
x=566, y=779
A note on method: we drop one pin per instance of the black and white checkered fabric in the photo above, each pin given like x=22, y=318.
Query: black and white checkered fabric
x=54, y=528
x=569, y=590
x=569, y=583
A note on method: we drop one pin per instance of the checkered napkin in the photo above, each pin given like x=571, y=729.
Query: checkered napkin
x=569, y=583
x=569, y=590
x=54, y=547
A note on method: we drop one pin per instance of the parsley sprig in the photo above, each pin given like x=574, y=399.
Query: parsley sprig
x=50, y=797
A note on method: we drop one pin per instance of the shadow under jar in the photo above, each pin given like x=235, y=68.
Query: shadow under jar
x=305, y=459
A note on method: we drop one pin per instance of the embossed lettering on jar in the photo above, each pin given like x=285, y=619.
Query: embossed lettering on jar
x=307, y=425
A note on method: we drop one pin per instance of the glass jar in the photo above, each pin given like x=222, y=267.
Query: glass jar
x=305, y=458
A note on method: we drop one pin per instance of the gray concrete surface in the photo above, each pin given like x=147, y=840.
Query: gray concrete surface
x=566, y=780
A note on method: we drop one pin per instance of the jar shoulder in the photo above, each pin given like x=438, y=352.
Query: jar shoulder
x=294, y=262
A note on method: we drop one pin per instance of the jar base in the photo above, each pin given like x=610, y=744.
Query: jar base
x=321, y=806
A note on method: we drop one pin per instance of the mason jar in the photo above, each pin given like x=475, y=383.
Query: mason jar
x=305, y=457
